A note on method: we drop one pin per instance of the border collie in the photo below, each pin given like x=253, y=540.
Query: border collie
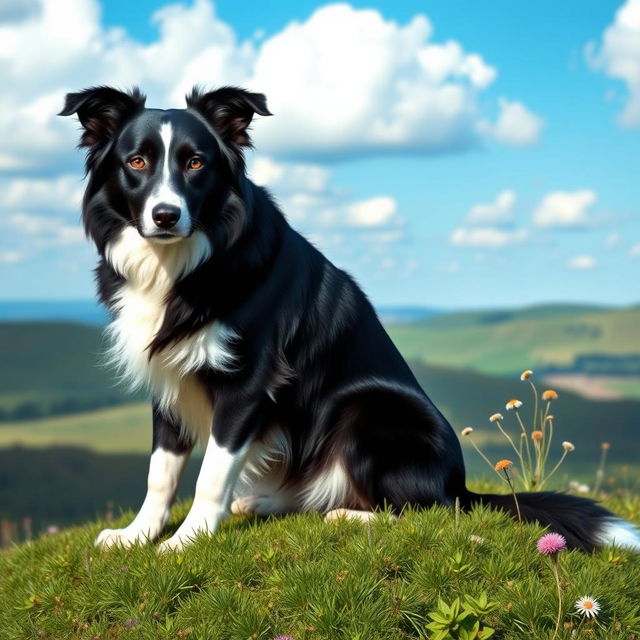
x=253, y=343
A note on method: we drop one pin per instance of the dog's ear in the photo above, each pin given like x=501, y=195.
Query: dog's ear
x=102, y=111
x=230, y=111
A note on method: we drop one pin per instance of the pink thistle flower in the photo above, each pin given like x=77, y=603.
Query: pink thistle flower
x=551, y=543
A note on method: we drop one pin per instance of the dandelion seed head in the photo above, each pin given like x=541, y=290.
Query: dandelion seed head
x=549, y=394
x=495, y=417
x=568, y=446
x=550, y=543
x=503, y=465
x=466, y=431
x=514, y=403
x=476, y=539
x=588, y=607
x=525, y=375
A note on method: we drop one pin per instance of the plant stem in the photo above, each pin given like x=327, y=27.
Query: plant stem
x=554, y=566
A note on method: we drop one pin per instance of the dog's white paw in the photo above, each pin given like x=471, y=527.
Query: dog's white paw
x=174, y=543
x=125, y=538
x=244, y=504
x=351, y=514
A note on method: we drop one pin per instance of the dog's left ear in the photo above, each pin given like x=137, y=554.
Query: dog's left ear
x=102, y=111
x=230, y=111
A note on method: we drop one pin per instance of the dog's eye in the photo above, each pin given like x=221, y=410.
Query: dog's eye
x=137, y=162
x=195, y=163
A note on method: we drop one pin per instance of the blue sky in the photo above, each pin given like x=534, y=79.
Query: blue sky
x=447, y=154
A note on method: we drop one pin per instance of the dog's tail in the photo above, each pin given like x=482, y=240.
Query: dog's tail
x=583, y=522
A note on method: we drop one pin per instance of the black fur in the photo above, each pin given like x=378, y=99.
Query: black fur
x=307, y=333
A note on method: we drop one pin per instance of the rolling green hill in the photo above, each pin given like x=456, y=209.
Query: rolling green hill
x=542, y=338
x=49, y=368
x=464, y=397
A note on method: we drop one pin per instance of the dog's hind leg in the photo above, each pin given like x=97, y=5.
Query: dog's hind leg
x=169, y=457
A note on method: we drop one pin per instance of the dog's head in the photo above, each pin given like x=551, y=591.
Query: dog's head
x=166, y=172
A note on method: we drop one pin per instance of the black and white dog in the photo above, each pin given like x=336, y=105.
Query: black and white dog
x=253, y=343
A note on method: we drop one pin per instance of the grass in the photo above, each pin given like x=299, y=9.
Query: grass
x=297, y=575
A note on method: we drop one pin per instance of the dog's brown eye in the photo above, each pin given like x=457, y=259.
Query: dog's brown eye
x=195, y=163
x=137, y=162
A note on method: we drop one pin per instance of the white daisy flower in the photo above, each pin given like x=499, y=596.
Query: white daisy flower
x=588, y=607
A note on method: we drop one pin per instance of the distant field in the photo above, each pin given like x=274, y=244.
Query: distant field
x=545, y=338
x=125, y=429
x=464, y=397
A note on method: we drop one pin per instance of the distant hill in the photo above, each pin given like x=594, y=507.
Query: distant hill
x=49, y=368
x=550, y=338
x=82, y=311
x=464, y=397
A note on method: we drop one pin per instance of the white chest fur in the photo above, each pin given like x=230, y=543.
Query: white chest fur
x=150, y=271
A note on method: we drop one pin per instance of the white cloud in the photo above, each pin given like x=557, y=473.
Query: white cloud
x=516, y=125
x=612, y=240
x=618, y=56
x=46, y=230
x=379, y=86
x=499, y=211
x=375, y=212
x=582, y=262
x=565, y=209
x=11, y=256
x=634, y=252
x=487, y=237
x=62, y=193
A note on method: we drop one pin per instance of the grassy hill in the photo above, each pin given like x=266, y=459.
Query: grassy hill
x=541, y=338
x=297, y=575
x=464, y=397
x=49, y=368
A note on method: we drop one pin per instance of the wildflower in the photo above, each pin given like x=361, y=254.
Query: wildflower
x=549, y=417
x=537, y=435
x=466, y=431
x=579, y=487
x=551, y=543
x=549, y=394
x=476, y=539
x=588, y=607
x=513, y=404
x=495, y=417
x=568, y=446
x=503, y=465
x=525, y=375
x=605, y=446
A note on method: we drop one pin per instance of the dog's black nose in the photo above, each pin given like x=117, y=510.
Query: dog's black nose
x=165, y=215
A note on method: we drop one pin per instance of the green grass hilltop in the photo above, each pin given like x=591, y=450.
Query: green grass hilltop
x=297, y=575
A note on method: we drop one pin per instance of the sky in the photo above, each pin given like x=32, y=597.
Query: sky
x=455, y=154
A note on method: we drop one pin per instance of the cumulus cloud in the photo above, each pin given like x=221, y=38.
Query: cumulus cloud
x=618, y=55
x=634, y=252
x=380, y=87
x=11, y=256
x=582, y=262
x=62, y=193
x=499, y=211
x=487, y=237
x=516, y=125
x=565, y=209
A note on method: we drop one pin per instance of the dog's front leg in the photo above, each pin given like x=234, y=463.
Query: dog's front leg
x=218, y=475
x=168, y=459
x=237, y=418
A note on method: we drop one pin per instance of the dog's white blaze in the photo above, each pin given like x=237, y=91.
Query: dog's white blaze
x=328, y=490
x=621, y=533
x=165, y=469
x=214, y=488
x=150, y=269
x=165, y=193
